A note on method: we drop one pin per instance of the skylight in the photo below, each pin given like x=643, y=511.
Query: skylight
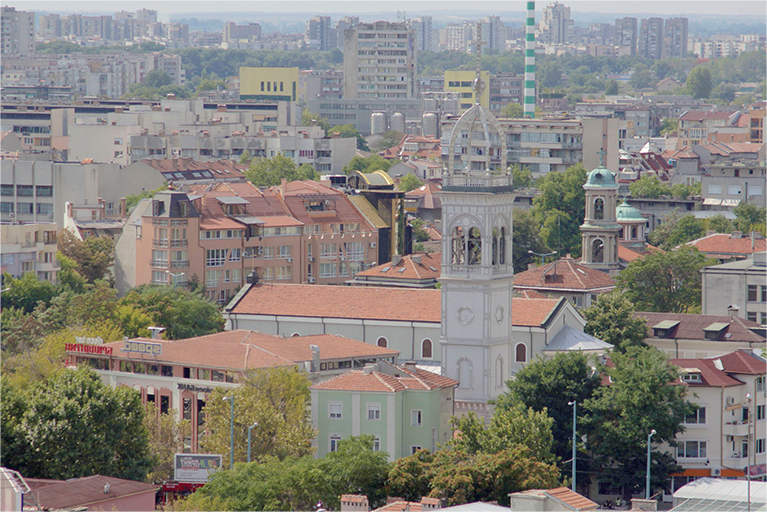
x=385, y=269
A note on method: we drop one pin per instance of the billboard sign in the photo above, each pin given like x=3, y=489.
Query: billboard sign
x=142, y=347
x=193, y=467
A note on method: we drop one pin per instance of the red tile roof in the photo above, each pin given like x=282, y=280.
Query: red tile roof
x=699, y=115
x=725, y=244
x=571, y=498
x=710, y=375
x=293, y=194
x=569, y=276
x=728, y=148
x=403, y=379
x=220, y=168
x=87, y=491
x=630, y=254
x=691, y=326
x=409, y=269
x=242, y=350
x=369, y=302
x=743, y=362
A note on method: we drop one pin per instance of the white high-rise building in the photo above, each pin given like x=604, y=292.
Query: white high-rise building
x=318, y=33
x=457, y=37
x=556, y=27
x=424, y=34
x=18, y=32
x=493, y=33
x=380, y=61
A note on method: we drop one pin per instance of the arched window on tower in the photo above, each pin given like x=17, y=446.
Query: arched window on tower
x=475, y=247
x=597, y=251
x=620, y=233
x=599, y=209
x=502, y=247
x=499, y=376
x=633, y=232
x=458, y=256
x=426, y=349
x=465, y=376
x=496, y=236
x=520, y=353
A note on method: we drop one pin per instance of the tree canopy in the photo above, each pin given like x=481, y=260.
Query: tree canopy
x=369, y=164
x=269, y=172
x=610, y=319
x=93, y=256
x=698, y=83
x=561, y=208
x=409, y=182
x=667, y=282
x=348, y=130
x=527, y=237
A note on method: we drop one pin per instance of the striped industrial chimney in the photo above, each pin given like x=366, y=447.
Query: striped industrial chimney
x=530, y=61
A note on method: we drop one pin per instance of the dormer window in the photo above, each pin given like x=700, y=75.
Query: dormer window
x=693, y=377
x=715, y=330
x=183, y=208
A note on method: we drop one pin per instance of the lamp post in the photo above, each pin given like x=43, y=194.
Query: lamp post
x=175, y=276
x=748, y=450
x=575, y=422
x=249, y=429
x=541, y=255
x=231, y=430
x=649, y=455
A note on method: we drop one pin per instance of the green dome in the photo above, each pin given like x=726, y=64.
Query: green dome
x=625, y=211
x=600, y=177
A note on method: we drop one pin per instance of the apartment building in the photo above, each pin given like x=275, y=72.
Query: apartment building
x=234, y=32
x=424, y=34
x=626, y=34
x=556, y=26
x=460, y=83
x=318, y=33
x=675, y=38
x=694, y=127
x=738, y=287
x=299, y=232
x=29, y=247
x=265, y=83
x=543, y=145
x=729, y=391
x=18, y=32
x=321, y=84
x=650, y=44
x=380, y=61
x=456, y=37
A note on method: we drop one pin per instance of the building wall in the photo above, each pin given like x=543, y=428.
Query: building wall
x=725, y=285
x=30, y=248
x=460, y=82
x=269, y=84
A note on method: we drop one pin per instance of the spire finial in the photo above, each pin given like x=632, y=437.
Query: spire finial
x=479, y=84
x=601, y=154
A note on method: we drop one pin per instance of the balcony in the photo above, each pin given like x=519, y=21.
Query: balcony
x=179, y=264
x=160, y=242
x=159, y=263
x=178, y=243
x=737, y=428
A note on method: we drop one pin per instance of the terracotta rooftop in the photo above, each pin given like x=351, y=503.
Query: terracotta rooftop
x=743, y=362
x=222, y=169
x=398, y=378
x=85, y=492
x=630, y=254
x=369, y=302
x=341, y=210
x=564, y=274
x=728, y=148
x=429, y=268
x=699, y=115
x=710, y=375
x=243, y=350
x=571, y=498
x=691, y=327
x=724, y=244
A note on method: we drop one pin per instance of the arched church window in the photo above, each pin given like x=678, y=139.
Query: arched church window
x=475, y=247
x=521, y=353
x=496, y=236
x=458, y=256
x=464, y=373
x=499, y=372
x=634, y=233
x=502, y=247
x=383, y=342
x=599, y=209
x=597, y=251
x=426, y=349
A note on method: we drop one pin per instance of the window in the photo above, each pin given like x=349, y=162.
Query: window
x=383, y=342
x=415, y=418
x=521, y=353
x=599, y=209
x=354, y=250
x=203, y=374
x=328, y=250
x=376, y=444
x=327, y=269
x=751, y=315
x=159, y=277
x=752, y=293
x=335, y=410
x=426, y=349
x=44, y=191
x=212, y=277
x=166, y=371
x=164, y=404
x=25, y=190
x=691, y=450
x=499, y=372
x=414, y=448
x=733, y=190
x=235, y=254
x=760, y=383
x=764, y=293
x=760, y=445
x=6, y=190
x=697, y=417
x=374, y=411
x=6, y=207
x=215, y=257
x=714, y=189
x=334, y=440
x=187, y=408
x=284, y=252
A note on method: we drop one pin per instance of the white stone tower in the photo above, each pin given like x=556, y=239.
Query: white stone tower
x=600, y=228
x=477, y=273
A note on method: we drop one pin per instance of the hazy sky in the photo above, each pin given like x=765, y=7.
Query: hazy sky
x=169, y=7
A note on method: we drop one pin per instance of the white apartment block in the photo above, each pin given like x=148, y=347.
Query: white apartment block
x=741, y=283
x=17, y=31
x=29, y=248
x=380, y=61
x=457, y=37
x=424, y=34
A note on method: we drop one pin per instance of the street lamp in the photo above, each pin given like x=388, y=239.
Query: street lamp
x=748, y=448
x=575, y=421
x=175, y=276
x=249, y=429
x=649, y=454
x=541, y=255
x=231, y=431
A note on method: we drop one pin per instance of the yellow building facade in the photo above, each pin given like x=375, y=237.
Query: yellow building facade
x=274, y=84
x=460, y=82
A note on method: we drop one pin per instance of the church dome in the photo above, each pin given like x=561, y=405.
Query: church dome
x=625, y=211
x=601, y=177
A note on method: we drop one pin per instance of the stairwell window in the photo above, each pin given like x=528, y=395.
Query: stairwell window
x=335, y=410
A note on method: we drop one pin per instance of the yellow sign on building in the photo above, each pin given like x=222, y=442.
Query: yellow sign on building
x=274, y=84
x=461, y=81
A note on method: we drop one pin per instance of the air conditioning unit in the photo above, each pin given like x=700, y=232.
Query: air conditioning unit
x=372, y=245
x=716, y=472
x=730, y=439
x=290, y=260
x=730, y=400
x=311, y=279
x=311, y=258
x=343, y=258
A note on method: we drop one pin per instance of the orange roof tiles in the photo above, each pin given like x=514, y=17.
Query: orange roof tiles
x=343, y=210
x=571, y=498
x=743, y=362
x=369, y=302
x=710, y=375
x=725, y=244
x=409, y=269
x=569, y=276
x=691, y=326
x=243, y=350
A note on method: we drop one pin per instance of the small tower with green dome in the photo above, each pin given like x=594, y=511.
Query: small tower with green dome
x=632, y=227
x=600, y=228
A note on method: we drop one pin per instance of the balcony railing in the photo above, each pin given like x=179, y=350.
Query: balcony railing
x=179, y=264
x=160, y=242
x=159, y=263
x=178, y=243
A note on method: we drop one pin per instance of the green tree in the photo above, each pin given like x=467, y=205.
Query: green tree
x=93, y=256
x=166, y=438
x=390, y=139
x=25, y=292
x=642, y=396
x=642, y=79
x=70, y=407
x=720, y=224
x=611, y=319
x=133, y=200
x=527, y=237
x=749, y=217
x=522, y=177
x=409, y=182
x=210, y=84
x=349, y=131
x=184, y=313
x=561, y=208
x=368, y=164
x=356, y=466
x=270, y=172
x=650, y=187
x=669, y=126
x=245, y=157
x=612, y=88
x=698, y=83
x=409, y=476
x=157, y=78
x=512, y=111
x=310, y=119
x=547, y=385
x=668, y=282
x=275, y=398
